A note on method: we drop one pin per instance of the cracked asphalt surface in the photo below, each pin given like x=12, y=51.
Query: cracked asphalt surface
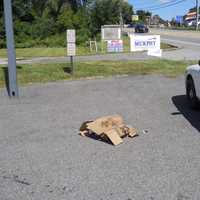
x=42, y=157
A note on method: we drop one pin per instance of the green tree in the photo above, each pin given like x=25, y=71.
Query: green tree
x=44, y=22
x=143, y=15
x=104, y=12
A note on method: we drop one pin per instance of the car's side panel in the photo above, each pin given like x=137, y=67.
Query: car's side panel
x=196, y=76
x=194, y=71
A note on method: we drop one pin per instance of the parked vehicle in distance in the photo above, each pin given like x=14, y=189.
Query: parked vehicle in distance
x=141, y=28
x=192, y=82
x=131, y=26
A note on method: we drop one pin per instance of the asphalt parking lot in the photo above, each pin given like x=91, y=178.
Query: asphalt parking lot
x=42, y=157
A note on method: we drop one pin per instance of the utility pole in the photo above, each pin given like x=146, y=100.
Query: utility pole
x=12, y=72
x=121, y=19
x=197, y=15
x=121, y=22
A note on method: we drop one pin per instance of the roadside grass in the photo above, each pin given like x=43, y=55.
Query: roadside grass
x=165, y=46
x=41, y=73
x=61, y=51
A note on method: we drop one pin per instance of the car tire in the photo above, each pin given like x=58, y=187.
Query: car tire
x=191, y=94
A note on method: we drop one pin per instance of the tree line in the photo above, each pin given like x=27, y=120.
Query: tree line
x=44, y=22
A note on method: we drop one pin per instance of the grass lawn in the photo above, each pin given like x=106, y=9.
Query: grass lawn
x=52, y=72
x=56, y=51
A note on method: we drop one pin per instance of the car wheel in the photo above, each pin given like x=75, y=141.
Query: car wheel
x=191, y=94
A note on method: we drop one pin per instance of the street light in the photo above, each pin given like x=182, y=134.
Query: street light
x=12, y=72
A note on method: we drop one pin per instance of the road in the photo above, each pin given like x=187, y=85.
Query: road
x=187, y=41
x=42, y=157
x=184, y=42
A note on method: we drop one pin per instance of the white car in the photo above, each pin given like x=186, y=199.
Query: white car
x=192, y=82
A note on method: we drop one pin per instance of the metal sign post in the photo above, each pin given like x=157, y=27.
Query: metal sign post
x=12, y=72
x=72, y=65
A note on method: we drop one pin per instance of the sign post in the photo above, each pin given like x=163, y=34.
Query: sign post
x=12, y=72
x=112, y=35
x=72, y=65
x=71, y=47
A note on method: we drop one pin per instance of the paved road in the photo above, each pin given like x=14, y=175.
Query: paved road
x=187, y=41
x=184, y=42
x=42, y=157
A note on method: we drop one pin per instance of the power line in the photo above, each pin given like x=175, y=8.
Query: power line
x=156, y=5
x=164, y=5
x=173, y=4
x=139, y=4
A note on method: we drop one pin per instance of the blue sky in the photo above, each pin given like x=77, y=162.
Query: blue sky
x=165, y=13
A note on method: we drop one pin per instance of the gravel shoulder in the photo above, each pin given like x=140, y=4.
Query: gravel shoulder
x=43, y=157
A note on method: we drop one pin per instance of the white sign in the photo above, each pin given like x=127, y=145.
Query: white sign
x=115, y=46
x=110, y=33
x=155, y=52
x=145, y=42
x=71, y=45
x=71, y=38
x=135, y=17
x=71, y=49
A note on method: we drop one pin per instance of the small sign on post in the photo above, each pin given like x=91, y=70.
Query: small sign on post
x=111, y=33
x=71, y=46
x=135, y=17
x=115, y=45
x=71, y=49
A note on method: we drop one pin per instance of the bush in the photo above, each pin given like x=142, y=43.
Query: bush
x=58, y=40
x=2, y=43
x=83, y=36
x=42, y=28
